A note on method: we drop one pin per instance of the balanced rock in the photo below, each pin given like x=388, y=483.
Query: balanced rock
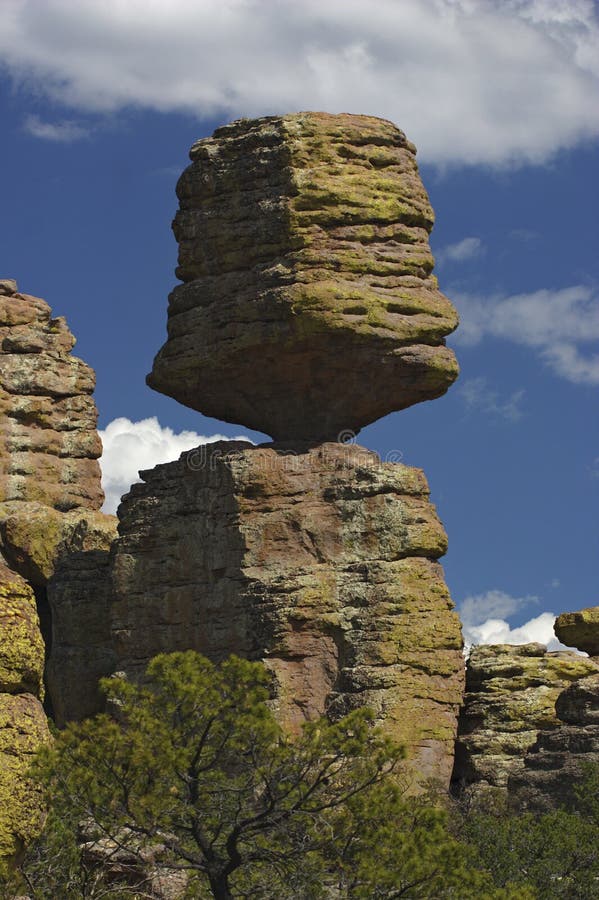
x=308, y=307
x=510, y=700
x=579, y=629
x=320, y=562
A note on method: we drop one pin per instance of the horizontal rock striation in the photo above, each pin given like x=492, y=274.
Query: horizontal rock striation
x=49, y=446
x=50, y=495
x=321, y=563
x=308, y=307
x=510, y=703
x=555, y=765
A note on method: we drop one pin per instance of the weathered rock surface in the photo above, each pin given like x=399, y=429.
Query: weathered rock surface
x=22, y=719
x=49, y=445
x=308, y=306
x=321, y=563
x=510, y=703
x=554, y=765
x=50, y=495
x=79, y=595
x=579, y=629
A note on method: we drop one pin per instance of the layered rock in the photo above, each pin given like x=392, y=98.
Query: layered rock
x=308, y=307
x=50, y=490
x=555, y=765
x=22, y=719
x=510, y=704
x=320, y=562
x=50, y=495
x=579, y=629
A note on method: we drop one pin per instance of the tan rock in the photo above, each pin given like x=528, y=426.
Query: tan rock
x=308, y=307
x=21, y=644
x=319, y=562
x=49, y=445
x=511, y=692
x=35, y=537
x=22, y=719
x=579, y=629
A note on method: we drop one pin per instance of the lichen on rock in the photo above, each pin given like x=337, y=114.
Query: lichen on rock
x=308, y=306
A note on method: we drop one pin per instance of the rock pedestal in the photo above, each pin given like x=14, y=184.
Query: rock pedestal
x=308, y=307
x=319, y=562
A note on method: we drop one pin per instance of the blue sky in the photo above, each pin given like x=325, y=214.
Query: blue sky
x=100, y=103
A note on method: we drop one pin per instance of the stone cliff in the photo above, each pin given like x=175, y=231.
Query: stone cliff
x=50, y=495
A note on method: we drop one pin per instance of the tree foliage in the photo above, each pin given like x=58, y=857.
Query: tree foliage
x=192, y=778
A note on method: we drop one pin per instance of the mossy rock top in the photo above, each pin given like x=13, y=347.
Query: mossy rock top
x=308, y=306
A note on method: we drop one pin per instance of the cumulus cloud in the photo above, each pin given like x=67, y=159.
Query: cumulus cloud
x=498, y=631
x=130, y=447
x=468, y=248
x=485, y=621
x=475, y=609
x=64, y=131
x=556, y=324
x=470, y=81
x=477, y=396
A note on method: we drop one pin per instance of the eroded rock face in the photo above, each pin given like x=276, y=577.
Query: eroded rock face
x=22, y=719
x=579, y=629
x=510, y=703
x=49, y=445
x=50, y=494
x=321, y=563
x=554, y=766
x=308, y=307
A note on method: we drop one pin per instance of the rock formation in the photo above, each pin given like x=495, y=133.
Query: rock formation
x=50, y=495
x=554, y=765
x=308, y=307
x=579, y=629
x=510, y=703
x=320, y=563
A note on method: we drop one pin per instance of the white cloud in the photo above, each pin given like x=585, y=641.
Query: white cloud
x=476, y=608
x=64, y=131
x=130, y=447
x=468, y=248
x=554, y=323
x=479, y=397
x=498, y=631
x=470, y=81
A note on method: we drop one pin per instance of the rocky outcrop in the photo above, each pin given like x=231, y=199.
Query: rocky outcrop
x=308, y=307
x=22, y=719
x=555, y=765
x=50, y=490
x=320, y=562
x=580, y=629
x=50, y=495
x=49, y=446
x=510, y=704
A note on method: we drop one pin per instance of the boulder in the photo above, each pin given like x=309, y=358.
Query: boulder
x=579, y=629
x=308, y=307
